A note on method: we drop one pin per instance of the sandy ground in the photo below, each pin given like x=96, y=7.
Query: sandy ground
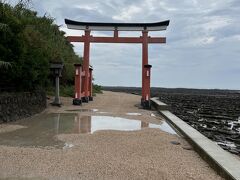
x=143, y=154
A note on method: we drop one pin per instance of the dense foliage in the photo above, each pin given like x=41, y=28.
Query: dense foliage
x=28, y=43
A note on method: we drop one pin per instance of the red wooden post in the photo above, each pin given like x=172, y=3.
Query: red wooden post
x=78, y=88
x=144, y=62
x=86, y=65
x=90, y=84
x=147, y=91
x=82, y=85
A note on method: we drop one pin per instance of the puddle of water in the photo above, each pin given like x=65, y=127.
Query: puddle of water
x=164, y=127
x=41, y=130
x=153, y=115
x=82, y=110
x=103, y=112
x=134, y=114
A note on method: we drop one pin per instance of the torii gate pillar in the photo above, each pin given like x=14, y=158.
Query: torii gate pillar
x=145, y=100
x=86, y=52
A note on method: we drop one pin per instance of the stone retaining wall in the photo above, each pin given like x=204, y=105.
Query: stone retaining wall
x=14, y=106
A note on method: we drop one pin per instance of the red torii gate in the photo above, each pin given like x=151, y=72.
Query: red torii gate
x=84, y=94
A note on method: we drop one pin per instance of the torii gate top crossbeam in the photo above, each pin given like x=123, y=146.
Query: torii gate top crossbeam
x=97, y=26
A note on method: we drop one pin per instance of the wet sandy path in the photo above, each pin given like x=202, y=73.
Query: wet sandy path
x=108, y=154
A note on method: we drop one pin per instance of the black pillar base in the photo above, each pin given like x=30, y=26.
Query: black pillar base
x=85, y=99
x=77, y=102
x=90, y=98
x=146, y=104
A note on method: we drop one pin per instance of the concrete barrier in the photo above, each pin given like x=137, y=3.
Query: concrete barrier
x=158, y=104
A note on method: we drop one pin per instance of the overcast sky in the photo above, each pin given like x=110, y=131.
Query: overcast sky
x=203, y=40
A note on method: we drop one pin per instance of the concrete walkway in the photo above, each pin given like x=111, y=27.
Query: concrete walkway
x=148, y=153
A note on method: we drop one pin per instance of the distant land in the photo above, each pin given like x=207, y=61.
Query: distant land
x=157, y=90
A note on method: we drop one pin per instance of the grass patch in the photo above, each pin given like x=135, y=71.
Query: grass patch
x=97, y=89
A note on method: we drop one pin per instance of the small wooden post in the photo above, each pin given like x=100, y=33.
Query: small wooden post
x=90, y=84
x=78, y=88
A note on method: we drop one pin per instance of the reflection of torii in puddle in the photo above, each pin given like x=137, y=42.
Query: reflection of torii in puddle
x=83, y=75
x=82, y=124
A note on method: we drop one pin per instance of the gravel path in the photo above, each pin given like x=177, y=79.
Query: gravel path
x=108, y=154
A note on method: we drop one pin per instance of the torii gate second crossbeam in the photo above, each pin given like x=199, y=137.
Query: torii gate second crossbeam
x=116, y=27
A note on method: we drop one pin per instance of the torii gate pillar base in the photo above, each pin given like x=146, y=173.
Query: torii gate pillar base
x=85, y=99
x=77, y=102
x=146, y=104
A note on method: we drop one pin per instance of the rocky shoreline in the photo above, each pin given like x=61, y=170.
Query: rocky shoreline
x=215, y=116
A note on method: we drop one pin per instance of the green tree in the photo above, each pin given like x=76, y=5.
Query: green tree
x=28, y=43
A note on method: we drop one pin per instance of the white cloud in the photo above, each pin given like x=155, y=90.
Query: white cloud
x=128, y=13
x=164, y=6
x=216, y=22
x=202, y=40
